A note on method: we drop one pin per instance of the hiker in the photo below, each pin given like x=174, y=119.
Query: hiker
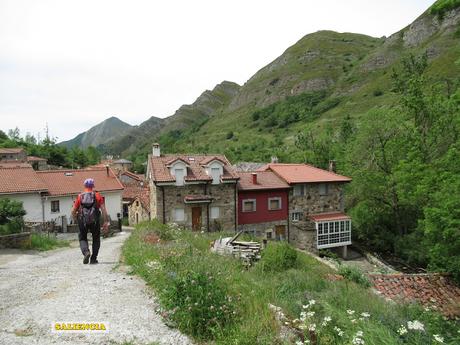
x=86, y=211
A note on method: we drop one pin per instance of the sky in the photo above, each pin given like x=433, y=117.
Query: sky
x=70, y=64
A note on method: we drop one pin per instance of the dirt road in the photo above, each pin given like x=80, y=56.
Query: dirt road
x=40, y=289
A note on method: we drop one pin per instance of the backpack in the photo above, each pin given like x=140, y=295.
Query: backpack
x=89, y=211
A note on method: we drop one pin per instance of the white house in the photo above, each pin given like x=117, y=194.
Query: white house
x=63, y=187
x=49, y=195
x=18, y=181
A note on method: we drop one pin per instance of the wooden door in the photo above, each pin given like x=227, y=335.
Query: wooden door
x=280, y=231
x=196, y=218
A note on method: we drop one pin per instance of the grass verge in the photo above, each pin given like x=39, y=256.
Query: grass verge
x=214, y=298
x=42, y=242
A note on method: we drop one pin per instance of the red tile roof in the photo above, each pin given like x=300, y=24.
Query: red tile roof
x=328, y=216
x=304, y=173
x=69, y=182
x=143, y=195
x=138, y=177
x=195, y=169
x=14, y=164
x=435, y=291
x=22, y=179
x=11, y=150
x=265, y=180
x=132, y=190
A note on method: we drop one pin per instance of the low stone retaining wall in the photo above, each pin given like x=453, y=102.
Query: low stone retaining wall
x=20, y=240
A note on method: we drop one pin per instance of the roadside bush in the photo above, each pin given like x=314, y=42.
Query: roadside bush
x=166, y=232
x=44, y=242
x=354, y=274
x=11, y=213
x=278, y=257
x=198, y=302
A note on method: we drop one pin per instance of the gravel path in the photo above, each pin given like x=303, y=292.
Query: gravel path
x=38, y=289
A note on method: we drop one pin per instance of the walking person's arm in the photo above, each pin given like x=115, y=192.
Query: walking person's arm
x=105, y=226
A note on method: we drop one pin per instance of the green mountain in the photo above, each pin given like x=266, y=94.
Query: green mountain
x=317, y=82
x=99, y=134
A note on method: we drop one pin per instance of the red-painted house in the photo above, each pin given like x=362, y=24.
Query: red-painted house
x=263, y=204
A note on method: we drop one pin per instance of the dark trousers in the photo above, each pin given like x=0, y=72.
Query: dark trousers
x=95, y=230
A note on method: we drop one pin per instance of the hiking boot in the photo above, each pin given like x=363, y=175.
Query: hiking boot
x=86, y=257
x=93, y=262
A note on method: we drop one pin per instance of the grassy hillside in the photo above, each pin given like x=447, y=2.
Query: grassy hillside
x=348, y=74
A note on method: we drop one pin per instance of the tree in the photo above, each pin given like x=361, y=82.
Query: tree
x=11, y=213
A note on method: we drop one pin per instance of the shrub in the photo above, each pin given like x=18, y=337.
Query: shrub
x=278, y=257
x=165, y=232
x=44, y=242
x=199, y=303
x=354, y=274
x=440, y=7
x=11, y=213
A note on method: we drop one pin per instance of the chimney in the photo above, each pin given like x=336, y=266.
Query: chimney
x=254, y=178
x=274, y=159
x=107, y=169
x=156, y=150
x=332, y=166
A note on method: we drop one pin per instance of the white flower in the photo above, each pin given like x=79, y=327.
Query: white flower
x=311, y=314
x=303, y=327
x=339, y=331
x=415, y=325
x=359, y=334
x=327, y=319
x=357, y=341
x=365, y=314
x=350, y=312
x=312, y=327
x=311, y=302
x=298, y=342
x=353, y=321
x=438, y=338
x=306, y=341
x=402, y=330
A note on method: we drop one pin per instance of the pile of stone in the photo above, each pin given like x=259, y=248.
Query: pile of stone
x=248, y=252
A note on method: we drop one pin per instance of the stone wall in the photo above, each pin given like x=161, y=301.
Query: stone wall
x=261, y=229
x=303, y=232
x=137, y=208
x=223, y=195
x=21, y=240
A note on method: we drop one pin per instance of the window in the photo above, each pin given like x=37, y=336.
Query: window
x=55, y=206
x=215, y=212
x=215, y=173
x=179, y=173
x=333, y=234
x=323, y=189
x=300, y=189
x=296, y=216
x=179, y=215
x=249, y=205
x=274, y=204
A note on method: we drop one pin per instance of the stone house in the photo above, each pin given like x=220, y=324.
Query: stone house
x=139, y=209
x=316, y=206
x=13, y=154
x=196, y=191
x=263, y=208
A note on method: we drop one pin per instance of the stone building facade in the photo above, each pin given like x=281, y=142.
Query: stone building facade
x=316, y=206
x=195, y=191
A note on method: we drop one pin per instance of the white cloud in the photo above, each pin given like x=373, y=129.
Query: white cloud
x=74, y=63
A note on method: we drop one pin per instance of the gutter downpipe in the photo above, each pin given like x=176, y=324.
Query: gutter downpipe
x=164, y=206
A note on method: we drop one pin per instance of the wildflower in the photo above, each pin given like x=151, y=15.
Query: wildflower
x=298, y=342
x=359, y=334
x=306, y=306
x=311, y=302
x=415, y=325
x=311, y=314
x=402, y=330
x=339, y=331
x=438, y=338
x=312, y=327
x=302, y=327
x=365, y=315
x=326, y=320
x=353, y=321
x=350, y=312
x=357, y=341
